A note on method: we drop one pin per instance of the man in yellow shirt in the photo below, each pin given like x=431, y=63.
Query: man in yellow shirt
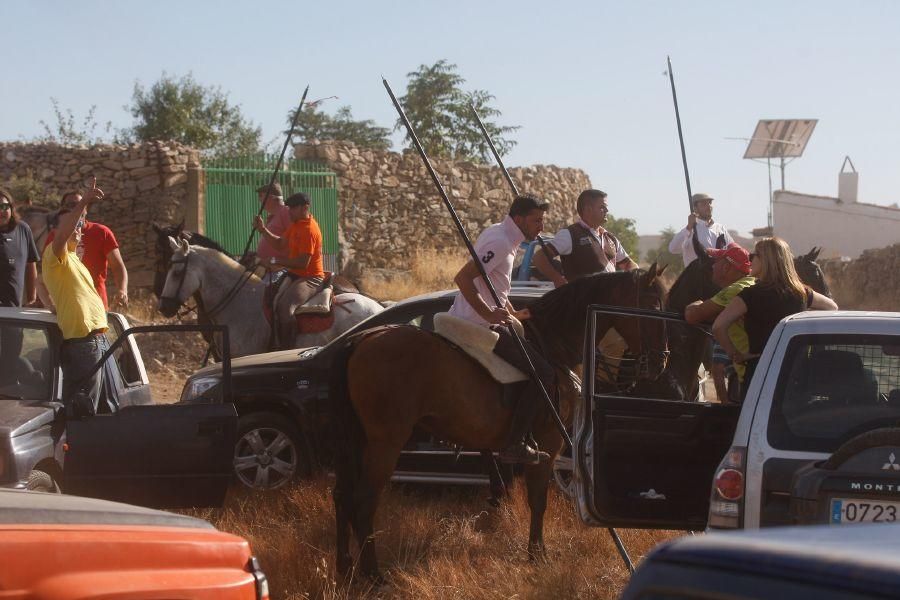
x=731, y=272
x=79, y=312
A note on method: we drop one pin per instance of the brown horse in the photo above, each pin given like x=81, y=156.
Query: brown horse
x=389, y=380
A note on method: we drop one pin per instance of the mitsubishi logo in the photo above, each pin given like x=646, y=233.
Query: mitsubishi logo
x=891, y=465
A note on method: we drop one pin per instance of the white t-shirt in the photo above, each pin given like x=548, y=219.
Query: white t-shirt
x=496, y=249
x=706, y=234
x=562, y=243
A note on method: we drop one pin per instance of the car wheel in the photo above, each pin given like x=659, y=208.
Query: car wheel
x=268, y=453
x=887, y=436
x=41, y=481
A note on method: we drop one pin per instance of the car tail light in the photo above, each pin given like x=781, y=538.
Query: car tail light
x=262, y=584
x=726, y=501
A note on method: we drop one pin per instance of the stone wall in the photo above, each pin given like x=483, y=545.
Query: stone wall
x=390, y=209
x=870, y=282
x=143, y=183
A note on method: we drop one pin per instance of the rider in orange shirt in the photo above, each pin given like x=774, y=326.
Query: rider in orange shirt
x=304, y=262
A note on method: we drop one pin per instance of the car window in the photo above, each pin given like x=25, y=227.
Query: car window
x=123, y=357
x=834, y=387
x=26, y=363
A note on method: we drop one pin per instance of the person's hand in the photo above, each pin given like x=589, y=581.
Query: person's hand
x=740, y=358
x=560, y=281
x=93, y=193
x=258, y=223
x=692, y=220
x=498, y=316
x=522, y=315
x=120, y=298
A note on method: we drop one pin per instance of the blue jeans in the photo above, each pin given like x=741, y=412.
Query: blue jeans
x=84, y=396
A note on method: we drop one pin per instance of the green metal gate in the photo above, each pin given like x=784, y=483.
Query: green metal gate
x=232, y=202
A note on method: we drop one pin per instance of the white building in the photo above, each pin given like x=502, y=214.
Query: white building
x=841, y=226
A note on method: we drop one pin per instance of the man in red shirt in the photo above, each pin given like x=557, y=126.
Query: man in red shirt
x=99, y=251
x=304, y=263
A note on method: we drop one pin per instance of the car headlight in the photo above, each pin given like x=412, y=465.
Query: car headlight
x=195, y=388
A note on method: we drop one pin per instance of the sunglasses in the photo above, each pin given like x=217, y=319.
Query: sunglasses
x=753, y=255
x=5, y=206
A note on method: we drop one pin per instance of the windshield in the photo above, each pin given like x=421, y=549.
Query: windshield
x=25, y=362
x=834, y=387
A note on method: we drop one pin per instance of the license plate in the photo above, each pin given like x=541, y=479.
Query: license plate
x=848, y=510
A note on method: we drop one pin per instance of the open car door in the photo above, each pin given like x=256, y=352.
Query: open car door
x=156, y=455
x=644, y=462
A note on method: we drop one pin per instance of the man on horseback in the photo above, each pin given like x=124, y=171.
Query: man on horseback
x=278, y=221
x=306, y=273
x=709, y=233
x=584, y=247
x=496, y=248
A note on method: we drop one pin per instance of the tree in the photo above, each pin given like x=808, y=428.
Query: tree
x=439, y=110
x=316, y=125
x=186, y=111
x=661, y=253
x=624, y=230
x=67, y=131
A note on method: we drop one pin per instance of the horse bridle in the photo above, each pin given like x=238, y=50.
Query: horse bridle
x=639, y=366
x=218, y=306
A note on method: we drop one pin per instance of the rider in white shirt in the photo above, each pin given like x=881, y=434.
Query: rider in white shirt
x=709, y=233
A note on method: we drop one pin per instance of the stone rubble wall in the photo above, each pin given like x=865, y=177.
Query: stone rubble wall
x=870, y=282
x=153, y=181
x=390, y=209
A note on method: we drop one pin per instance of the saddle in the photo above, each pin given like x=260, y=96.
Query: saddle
x=314, y=316
x=478, y=342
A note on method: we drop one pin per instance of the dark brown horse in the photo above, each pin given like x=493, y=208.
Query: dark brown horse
x=387, y=381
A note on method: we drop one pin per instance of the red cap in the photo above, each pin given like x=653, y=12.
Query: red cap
x=735, y=254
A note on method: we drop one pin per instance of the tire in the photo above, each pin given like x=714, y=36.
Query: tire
x=887, y=436
x=268, y=453
x=41, y=481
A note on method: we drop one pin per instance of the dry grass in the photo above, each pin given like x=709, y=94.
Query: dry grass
x=433, y=543
x=430, y=270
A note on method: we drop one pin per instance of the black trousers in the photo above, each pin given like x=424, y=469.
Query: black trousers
x=531, y=400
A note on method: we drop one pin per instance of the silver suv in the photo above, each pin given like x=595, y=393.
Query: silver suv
x=817, y=439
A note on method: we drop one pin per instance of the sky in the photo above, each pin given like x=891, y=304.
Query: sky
x=584, y=80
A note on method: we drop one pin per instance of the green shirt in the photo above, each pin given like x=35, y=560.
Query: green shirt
x=736, y=332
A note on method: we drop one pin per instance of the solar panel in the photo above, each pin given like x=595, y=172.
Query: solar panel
x=780, y=138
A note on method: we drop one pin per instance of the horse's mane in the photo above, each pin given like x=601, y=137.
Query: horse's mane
x=192, y=237
x=567, y=303
x=221, y=257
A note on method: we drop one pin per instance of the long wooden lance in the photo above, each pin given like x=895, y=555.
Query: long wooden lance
x=687, y=176
x=623, y=552
x=471, y=249
x=278, y=164
x=509, y=179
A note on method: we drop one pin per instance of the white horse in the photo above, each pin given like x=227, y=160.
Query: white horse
x=234, y=298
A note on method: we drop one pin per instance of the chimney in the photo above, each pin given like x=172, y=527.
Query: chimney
x=848, y=182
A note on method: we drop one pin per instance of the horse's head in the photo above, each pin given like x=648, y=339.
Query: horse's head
x=164, y=252
x=810, y=272
x=646, y=338
x=694, y=283
x=181, y=281
x=560, y=315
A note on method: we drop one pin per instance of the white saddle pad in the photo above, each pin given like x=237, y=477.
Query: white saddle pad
x=478, y=342
x=319, y=304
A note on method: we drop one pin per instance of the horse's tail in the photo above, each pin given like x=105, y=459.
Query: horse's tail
x=349, y=438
